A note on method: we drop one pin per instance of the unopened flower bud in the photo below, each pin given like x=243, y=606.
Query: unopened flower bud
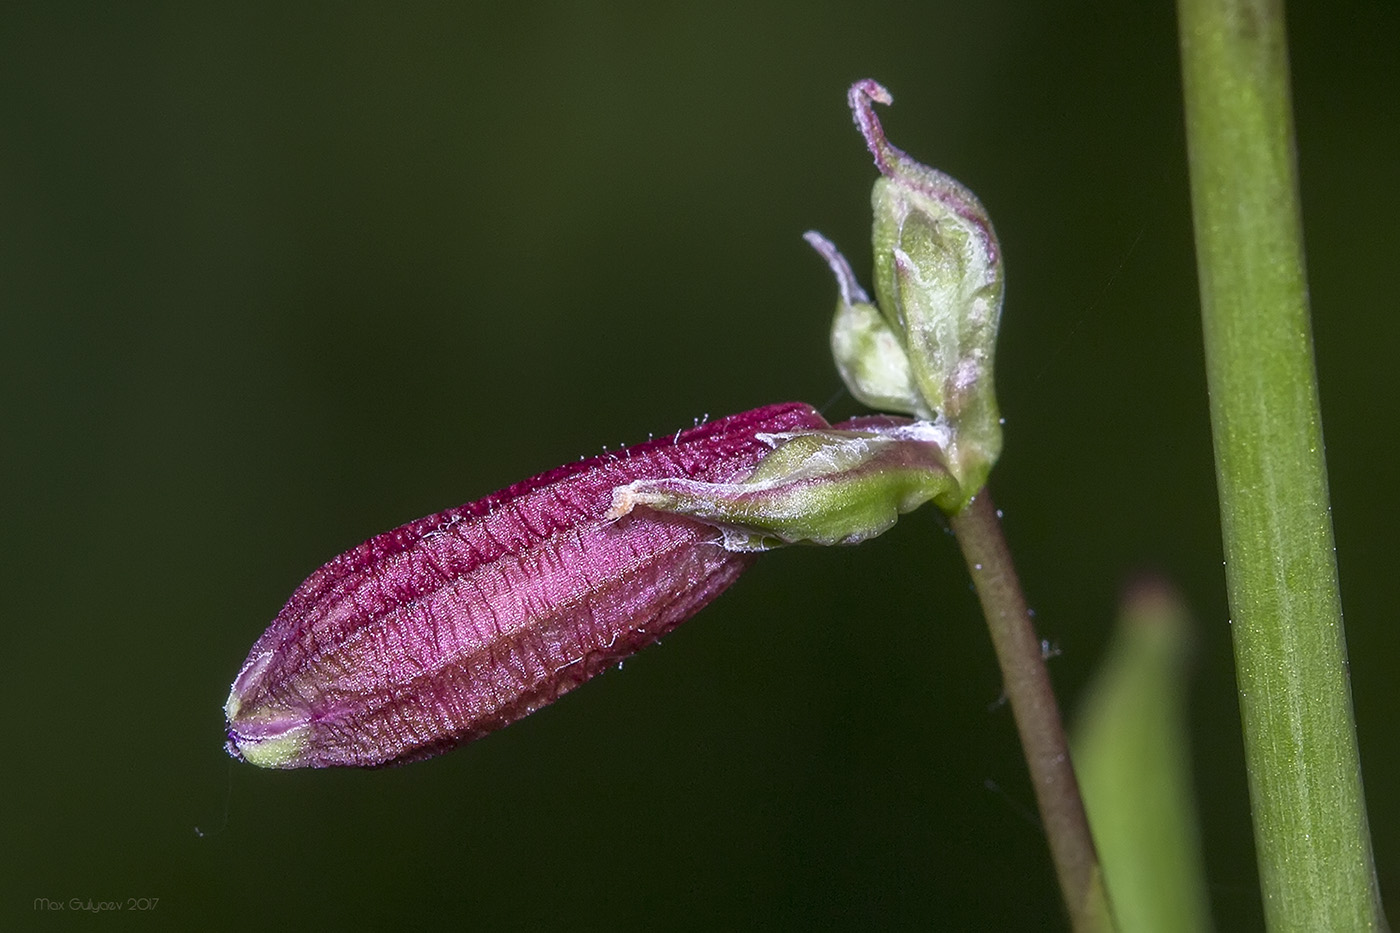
x=938, y=288
x=449, y=627
x=869, y=354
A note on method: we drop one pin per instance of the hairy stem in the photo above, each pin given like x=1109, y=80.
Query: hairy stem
x=1027, y=685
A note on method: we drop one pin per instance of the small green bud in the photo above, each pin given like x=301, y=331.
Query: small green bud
x=869, y=354
x=938, y=290
x=842, y=485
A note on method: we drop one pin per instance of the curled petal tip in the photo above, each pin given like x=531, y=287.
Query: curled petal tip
x=862, y=97
x=851, y=292
x=871, y=89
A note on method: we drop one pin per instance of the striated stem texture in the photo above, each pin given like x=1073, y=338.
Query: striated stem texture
x=1316, y=869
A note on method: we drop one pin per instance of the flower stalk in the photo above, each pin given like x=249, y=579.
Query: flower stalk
x=926, y=346
x=1026, y=683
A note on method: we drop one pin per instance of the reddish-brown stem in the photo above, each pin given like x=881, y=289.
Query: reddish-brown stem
x=1027, y=685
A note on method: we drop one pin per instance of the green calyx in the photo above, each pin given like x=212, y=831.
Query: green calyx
x=926, y=346
x=838, y=486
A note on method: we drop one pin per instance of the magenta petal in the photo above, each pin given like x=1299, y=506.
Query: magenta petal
x=449, y=627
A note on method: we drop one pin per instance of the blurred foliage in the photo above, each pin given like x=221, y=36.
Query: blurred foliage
x=274, y=278
x=1133, y=757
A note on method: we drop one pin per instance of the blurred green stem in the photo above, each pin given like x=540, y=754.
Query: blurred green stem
x=1310, y=826
x=1132, y=751
x=1027, y=686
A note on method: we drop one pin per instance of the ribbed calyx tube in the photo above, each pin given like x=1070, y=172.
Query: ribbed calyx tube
x=451, y=626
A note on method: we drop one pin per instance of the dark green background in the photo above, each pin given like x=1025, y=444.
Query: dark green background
x=274, y=280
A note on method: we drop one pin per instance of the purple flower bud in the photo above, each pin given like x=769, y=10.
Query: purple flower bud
x=449, y=627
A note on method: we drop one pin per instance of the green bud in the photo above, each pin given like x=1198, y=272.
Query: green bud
x=869, y=354
x=841, y=485
x=938, y=290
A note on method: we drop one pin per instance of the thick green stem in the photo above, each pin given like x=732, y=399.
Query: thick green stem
x=1032, y=699
x=1300, y=740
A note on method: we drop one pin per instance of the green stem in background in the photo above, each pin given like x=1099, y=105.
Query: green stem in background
x=1132, y=752
x=1032, y=699
x=1310, y=826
